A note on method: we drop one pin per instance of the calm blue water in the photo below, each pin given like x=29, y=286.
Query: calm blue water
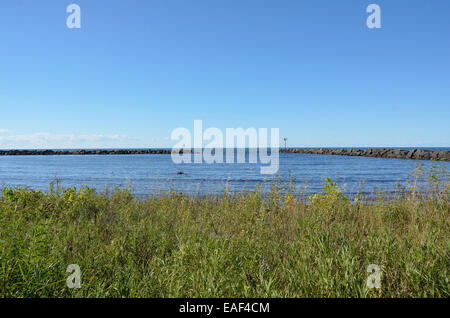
x=152, y=173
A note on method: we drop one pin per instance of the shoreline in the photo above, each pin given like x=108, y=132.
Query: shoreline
x=418, y=154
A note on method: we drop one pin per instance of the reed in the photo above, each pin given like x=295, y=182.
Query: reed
x=248, y=244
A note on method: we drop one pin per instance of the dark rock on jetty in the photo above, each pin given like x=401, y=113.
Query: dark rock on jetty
x=83, y=152
x=419, y=154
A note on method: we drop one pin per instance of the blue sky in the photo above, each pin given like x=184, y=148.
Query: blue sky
x=136, y=70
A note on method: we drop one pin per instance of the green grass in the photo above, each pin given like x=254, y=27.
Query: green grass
x=233, y=245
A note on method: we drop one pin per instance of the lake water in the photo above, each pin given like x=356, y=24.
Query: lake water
x=152, y=173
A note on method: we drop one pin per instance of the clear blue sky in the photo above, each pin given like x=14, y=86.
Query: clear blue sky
x=136, y=70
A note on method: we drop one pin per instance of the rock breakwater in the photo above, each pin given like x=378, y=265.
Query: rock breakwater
x=83, y=152
x=418, y=154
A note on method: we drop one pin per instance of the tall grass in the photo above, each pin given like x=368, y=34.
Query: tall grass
x=248, y=244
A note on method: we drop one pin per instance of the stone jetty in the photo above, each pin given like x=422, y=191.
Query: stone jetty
x=84, y=152
x=418, y=154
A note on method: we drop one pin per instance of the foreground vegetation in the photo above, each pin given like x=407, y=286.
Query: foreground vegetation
x=234, y=245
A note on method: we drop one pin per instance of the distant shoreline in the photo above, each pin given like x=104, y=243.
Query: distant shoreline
x=418, y=154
